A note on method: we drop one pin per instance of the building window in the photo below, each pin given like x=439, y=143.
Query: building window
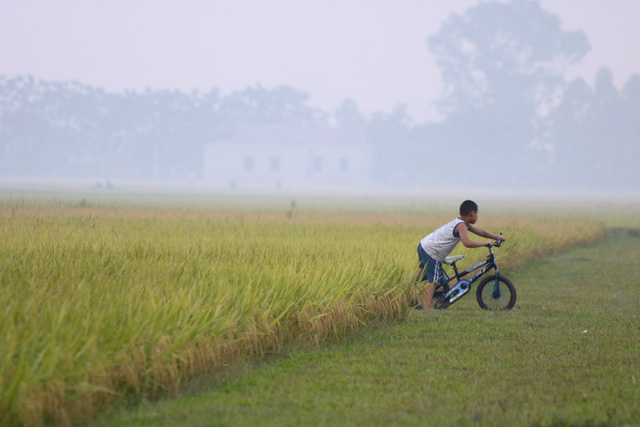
x=317, y=164
x=344, y=165
x=274, y=164
x=248, y=163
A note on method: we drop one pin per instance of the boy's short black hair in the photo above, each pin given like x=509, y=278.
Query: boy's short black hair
x=467, y=207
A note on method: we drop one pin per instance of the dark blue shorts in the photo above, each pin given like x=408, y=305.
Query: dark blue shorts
x=432, y=268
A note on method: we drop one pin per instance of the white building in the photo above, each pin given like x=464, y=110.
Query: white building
x=289, y=156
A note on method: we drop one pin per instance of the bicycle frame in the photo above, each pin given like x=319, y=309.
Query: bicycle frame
x=462, y=287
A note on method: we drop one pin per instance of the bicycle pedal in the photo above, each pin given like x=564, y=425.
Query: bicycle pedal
x=442, y=306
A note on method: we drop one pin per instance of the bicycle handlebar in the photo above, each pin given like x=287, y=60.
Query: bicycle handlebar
x=496, y=244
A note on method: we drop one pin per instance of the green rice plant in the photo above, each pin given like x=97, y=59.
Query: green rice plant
x=99, y=303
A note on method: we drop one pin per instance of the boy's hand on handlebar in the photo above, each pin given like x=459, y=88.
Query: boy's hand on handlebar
x=489, y=244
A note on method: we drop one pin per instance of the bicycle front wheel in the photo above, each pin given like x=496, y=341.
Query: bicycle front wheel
x=496, y=293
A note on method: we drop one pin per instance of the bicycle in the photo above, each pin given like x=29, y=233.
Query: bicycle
x=495, y=292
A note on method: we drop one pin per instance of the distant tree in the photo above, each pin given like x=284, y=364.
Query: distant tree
x=282, y=105
x=630, y=132
x=567, y=135
x=601, y=132
x=502, y=67
x=388, y=133
x=499, y=51
x=596, y=134
x=28, y=143
x=348, y=115
x=69, y=130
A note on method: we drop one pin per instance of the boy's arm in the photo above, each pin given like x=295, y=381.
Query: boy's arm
x=484, y=233
x=464, y=238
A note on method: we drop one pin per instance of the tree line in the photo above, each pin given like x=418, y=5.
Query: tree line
x=71, y=130
x=510, y=118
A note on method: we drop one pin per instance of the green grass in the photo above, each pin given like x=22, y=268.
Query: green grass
x=567, y=354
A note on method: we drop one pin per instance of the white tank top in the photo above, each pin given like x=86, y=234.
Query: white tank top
x=441, y=242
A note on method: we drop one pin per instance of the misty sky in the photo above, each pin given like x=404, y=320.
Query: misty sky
x=373, y=51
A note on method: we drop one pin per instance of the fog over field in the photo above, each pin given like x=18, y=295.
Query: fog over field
x=285, y=96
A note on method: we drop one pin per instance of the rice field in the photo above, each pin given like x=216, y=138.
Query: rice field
x=104, y=302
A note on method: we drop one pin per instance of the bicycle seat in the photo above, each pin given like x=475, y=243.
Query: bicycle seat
x=451, y=259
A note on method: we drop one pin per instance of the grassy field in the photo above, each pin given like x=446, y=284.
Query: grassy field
x=104, y=300
x=567, y=355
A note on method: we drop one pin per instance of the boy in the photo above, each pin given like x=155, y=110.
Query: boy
x=434, y=248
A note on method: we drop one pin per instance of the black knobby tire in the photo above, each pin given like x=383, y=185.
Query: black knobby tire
x=492, y=297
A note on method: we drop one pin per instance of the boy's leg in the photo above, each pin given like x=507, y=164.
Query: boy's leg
x=428, y=295
x=417, y=279
x=418, y=276
x=429, y=272
x=433, y=276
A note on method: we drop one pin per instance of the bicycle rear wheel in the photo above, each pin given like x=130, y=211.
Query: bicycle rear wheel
x=496, y=292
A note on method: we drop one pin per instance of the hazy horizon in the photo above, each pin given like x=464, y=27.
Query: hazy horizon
x=514, y=95
x=372, y=52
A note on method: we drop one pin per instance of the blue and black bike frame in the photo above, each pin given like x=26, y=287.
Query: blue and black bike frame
x=462, y=287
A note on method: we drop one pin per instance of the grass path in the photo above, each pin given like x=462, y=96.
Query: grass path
x=567, y=354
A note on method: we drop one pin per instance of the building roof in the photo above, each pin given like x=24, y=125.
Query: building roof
x=299, y=134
